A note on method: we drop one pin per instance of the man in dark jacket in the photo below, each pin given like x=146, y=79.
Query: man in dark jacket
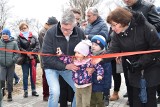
x=51, y=21
x=150, y=13
x=65, y=35
x=96, y=24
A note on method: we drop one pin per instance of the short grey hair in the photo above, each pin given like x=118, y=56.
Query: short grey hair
x=93, y=10
x=68, y=17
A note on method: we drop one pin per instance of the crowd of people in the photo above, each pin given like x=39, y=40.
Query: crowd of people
x=71, y=73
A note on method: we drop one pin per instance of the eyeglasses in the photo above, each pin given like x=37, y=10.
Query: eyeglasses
x=24, y=28
x=114, y=25
x=67, y=30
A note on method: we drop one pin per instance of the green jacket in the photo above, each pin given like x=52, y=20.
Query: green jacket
x=8, y=58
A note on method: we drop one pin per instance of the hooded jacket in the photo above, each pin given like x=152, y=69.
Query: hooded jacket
x=8, y=59
x=140, y=36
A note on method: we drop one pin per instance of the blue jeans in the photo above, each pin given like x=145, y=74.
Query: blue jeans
x=26, y=69
x=159, y=34
x=16, y=77
x=52, y=77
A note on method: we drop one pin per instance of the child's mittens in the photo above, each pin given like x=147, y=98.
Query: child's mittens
x=99, y=77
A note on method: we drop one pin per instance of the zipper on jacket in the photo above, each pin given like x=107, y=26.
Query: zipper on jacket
x=5, y=52
x=135, y=40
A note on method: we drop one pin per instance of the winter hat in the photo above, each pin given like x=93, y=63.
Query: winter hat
x=100, y=40
x=52, y=20
x=6, y=31
x=83, y=47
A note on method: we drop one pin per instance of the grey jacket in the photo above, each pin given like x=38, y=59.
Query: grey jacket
x=8, y=59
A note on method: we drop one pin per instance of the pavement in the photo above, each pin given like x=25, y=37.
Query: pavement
x=19, y=101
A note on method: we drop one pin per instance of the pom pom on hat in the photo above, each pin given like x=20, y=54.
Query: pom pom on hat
x=100, y=40
x=83, y=47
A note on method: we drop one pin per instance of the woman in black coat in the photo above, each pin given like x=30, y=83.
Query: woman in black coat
x=131, y=32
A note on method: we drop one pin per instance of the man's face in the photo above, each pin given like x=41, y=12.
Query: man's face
x=78, y=17
x=67, y=29
x=90, y=17
x=129, y=2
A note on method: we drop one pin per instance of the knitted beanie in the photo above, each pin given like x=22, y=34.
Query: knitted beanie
x=6, y=31
x=83, y=47
x=52, y=20
x=100, y=40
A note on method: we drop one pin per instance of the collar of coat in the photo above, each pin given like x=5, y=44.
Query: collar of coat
x=30, y=35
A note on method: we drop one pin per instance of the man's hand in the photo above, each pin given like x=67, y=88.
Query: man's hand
x=90, y=71
x=30, y=56
x=59, y=52
x=118, y=60
x=71, y=67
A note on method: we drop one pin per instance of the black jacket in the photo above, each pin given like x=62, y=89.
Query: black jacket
x=149, y=11
x=54, y=39
x=140, y=36
x=30, y=45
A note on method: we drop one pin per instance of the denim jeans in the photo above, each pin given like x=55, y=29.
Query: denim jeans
x=26, y=69
x=16, y=77
x=54, y=87
x=159, y=34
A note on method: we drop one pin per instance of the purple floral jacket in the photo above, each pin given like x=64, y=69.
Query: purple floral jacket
x=81, y=76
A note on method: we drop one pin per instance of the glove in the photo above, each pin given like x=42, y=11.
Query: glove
x=136, y=66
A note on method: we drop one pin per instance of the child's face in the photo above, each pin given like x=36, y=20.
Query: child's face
x=79, y=56
x=95, y=47
x=5, y=36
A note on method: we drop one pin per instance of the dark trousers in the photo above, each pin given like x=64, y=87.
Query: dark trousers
x=16, y=77
x=129, y=88
x=0, y=94
x=45, y=85
x=133, y=92
x=6, y=75
x=116, y=76
x=151, y=98
x=158, y=90
x=66, y=93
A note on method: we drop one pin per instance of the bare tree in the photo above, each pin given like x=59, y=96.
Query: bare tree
x=83, y=5
x=4, y=12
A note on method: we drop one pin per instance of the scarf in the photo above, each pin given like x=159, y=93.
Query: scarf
x=25, y=34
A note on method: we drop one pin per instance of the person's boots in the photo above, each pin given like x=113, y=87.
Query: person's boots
x=106, y=100
x=3, y=92
x=114, y=96
x=9, y=96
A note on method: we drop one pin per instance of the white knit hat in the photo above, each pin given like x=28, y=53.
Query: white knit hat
x=83, y=47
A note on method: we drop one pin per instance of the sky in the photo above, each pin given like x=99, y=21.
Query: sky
x=39, y=9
